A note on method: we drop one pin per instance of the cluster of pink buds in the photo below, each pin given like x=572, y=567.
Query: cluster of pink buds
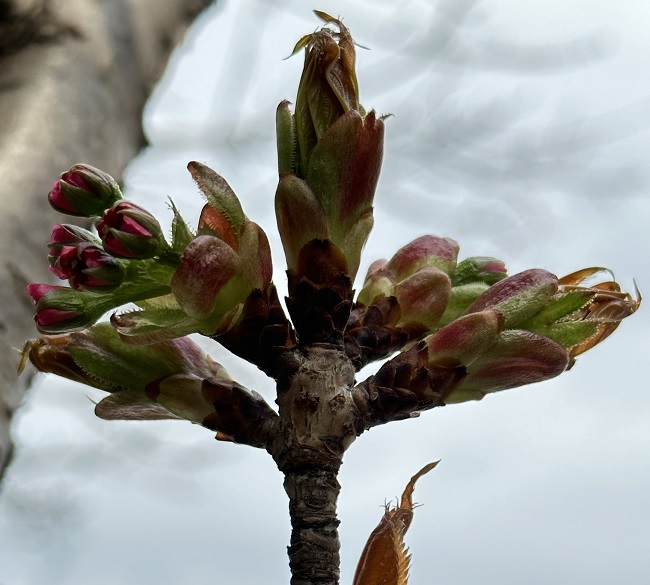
x=219, y=267
x=78, y=257
x=524, y=328
x=98, y=268
x=214, y=281
x=201, y=280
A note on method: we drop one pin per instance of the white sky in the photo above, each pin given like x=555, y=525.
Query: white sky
x=523, y=133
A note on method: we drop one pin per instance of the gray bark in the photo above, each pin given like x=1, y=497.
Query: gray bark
x=318, y=421
x=74, y=77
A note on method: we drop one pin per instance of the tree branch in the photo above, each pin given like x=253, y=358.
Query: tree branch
x=405, y=386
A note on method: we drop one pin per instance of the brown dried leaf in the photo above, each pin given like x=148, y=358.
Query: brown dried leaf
x=606, y=309
x=385, y=559
x=579, y=276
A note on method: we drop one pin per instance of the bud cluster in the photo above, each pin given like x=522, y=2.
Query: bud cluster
x=219, y=267
x=329, y=157
x=428, y=283
x=200, y=282
x=464, y=328
x=167, y=380
x=519, y=330
x=101, y=269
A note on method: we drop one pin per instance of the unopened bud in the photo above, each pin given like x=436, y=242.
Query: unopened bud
x=84, y=191
x=129, y=231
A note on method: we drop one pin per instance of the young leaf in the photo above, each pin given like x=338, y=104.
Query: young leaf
x=385, y=559
x=181, y=233
x=219, y=194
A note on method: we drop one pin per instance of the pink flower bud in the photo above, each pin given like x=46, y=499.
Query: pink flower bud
x=59, y=308
x=70, y=234
x=425, y=251
x=87, y=267
x=465, y=339
x=206, y=276
x=37, y=290
x=84, y=191
x=129, y=231
x=423, y=297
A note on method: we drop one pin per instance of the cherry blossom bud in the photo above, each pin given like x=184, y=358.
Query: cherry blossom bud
x=129, y=231
x=87, y=267
x=66, y=235
x=464, y=340
x=208, y=279
x=423, y=298
x=425, y=251
x=516, y=358
x=519, y=296
x=84, y=191
x=59, y=308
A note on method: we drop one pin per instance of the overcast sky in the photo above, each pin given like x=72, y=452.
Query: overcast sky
x=522, y=130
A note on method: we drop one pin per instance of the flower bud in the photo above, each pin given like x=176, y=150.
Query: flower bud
x=70, y=234
x=66, y=235
x=519, y=296
x=417, y=276
x=86, y=267
x=479, y=269
x=208, y=279
x=516, y=358
x=329, y=154
x=425, y=251
x=423, y=298
x=84, y=191
x=129, y=231
x=59, y=308
x=227, y=261
x=224, y=219
x=464, y=340
x=171, y=379
x=378, y=284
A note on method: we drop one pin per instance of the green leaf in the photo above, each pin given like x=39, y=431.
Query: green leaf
x=569, y=333
x=181, y=233
x=218, y=193
x=461, y=297
x=154, y=325
x=561, y=305
x=286, y=138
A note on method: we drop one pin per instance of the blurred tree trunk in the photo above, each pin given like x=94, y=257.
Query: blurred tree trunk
x=74, y=77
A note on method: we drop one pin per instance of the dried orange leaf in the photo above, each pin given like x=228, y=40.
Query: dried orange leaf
x=385, y=559
x=581, y=275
